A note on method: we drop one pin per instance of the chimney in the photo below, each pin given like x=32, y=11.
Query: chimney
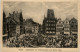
x=9, y=14
x=13, y=12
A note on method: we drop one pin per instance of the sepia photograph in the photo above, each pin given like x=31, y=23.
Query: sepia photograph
x=40, y=25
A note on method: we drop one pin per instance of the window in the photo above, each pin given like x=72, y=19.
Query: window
x=46, y=28
x=59, y=22
x=50, y=32
x=66, y=28
x=53, y=32
x=51, y=21
x=46, y=24
x=49, y=24
x=54, y=24
x=47, y=32
x=53, y=28
x=72, y=26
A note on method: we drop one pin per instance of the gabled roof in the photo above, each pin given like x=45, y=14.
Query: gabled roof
x=12, y=19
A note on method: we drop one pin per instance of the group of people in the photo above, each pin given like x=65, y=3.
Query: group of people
x=37, y=41
x=63, y=42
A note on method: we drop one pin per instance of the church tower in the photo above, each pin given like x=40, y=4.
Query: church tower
x=50, y=13
x=49, y=23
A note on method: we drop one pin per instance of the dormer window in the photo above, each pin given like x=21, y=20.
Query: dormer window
x=59, y=22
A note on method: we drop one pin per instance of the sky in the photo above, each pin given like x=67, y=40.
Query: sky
x=37, y=10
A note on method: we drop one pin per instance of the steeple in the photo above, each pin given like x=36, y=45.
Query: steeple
x=44, y=16
x=4, y=15
x=21, y=18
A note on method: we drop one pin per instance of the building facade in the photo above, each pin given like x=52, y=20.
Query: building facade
x=17, y=16
x=73, y=26
x=66, y=27
x=59, y=27
x=36, y=28
x=18, y=29
x=28, y=26
x=13, y=24
x=11, y=27
x=32, y=27
x=49, y=23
